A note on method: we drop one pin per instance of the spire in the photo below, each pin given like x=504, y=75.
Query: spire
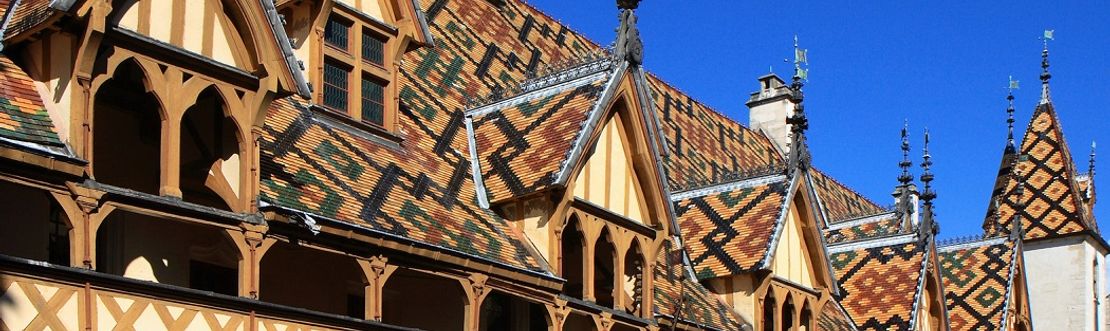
x=629, y=47
x=799, y=152
x=1010, y=148
x=905, y=178
x=1045, y=75
x=928, y=223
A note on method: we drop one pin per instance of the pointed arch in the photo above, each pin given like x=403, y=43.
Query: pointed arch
x=128, y=124
x=211, y=152
x=604, y=269
x=571, y=255
x=767, y=318
x=634, y=278
x=787, y=318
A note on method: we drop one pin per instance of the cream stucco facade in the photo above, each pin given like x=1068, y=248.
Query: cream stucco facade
x=1067, y=278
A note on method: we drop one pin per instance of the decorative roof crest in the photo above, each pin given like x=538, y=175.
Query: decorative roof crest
x=799, y=152
x=629, y=47
x=1010, y=147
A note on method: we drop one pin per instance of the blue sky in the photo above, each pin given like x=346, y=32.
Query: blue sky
x=940, y=64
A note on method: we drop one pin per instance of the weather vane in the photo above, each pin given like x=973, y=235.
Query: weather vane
x=1047, y=37
x=1013, y=85
x=799, y=60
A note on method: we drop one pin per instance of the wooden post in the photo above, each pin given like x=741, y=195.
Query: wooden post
x=557, y=314
x=253, y=245
x=377, y=271
x=476, y=292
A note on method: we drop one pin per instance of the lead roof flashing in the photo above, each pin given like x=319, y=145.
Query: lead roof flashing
x=285, y=45
x=590, y=124
x=919, y=294
x=872, y=243
x=729, y=186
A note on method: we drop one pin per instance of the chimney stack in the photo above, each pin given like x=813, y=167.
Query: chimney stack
x=768, y=109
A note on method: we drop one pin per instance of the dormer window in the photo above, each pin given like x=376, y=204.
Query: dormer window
x=357, y=71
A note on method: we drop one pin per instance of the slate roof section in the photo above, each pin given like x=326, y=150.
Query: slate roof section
x=833, y=318
x=878, y=282
x=1052, y=200
x=840, y=202
x=977, y=281
x=704, y=147
x=728, y=230
x=23, y=118
x=698, y=305
x=524, y=143
x=867, y=227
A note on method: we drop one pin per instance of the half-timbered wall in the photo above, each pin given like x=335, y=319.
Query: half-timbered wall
x=199, y=26
x=608, y=179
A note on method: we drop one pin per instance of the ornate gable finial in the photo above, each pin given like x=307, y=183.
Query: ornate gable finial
x=1010, y=148
x=905, y=178
x=629, y=47
x=1091, y=164
x=929, y=225
x=1045, y=75
x=799, y=152
x=927, y=195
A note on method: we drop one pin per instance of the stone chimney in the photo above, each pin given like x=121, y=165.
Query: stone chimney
x=768, y=109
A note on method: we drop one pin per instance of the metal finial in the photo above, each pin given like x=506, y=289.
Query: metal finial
x=1045, y=75
x=1010, y=148
x=799, y=152
x=905, y=178
x=1091, y=164
x=926, y=175
x=628, y=4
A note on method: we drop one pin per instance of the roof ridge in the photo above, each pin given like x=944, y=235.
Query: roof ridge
x=969, y=241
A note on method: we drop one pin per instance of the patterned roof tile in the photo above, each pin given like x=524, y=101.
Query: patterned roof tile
x=26, y=15
x=878, y=284
x=703, y=146
x=1052, y=200
x=976, y=284
x=22, y=114
x=699, y=306
x=730, y=232
x=523, y=145
x=868, y=228
x=840, y=202
x=833, y=318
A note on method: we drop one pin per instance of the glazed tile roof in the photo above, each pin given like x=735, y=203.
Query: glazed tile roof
x=878, y=283
x=311, y=165
x=728, y=229
x=704, y=147
x=26, y=15
x=977, y=279
x=523, y=144
x=833, y=318
x=864, y=228
x=22, y=114
x=840, y=202
x=700, y=307
x=1053, y=203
